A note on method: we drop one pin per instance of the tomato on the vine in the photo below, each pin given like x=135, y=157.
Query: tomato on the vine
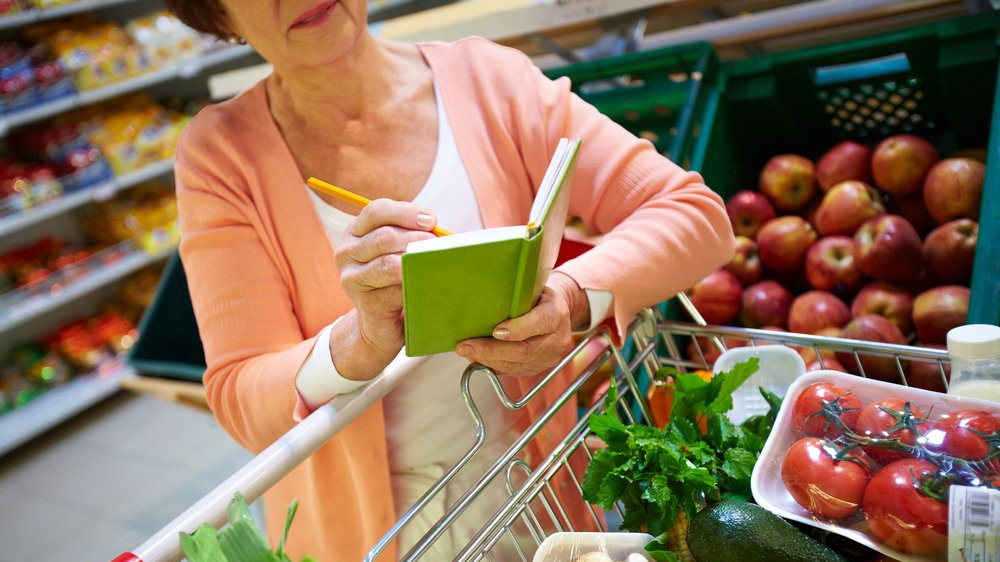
x=808, y=414
x=878, y=419
x=900, y=515
x=822, y=484
x=957, y=434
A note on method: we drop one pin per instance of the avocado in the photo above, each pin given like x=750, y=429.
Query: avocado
x=734, y=531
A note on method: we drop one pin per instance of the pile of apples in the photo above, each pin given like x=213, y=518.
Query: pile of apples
x=875, y=245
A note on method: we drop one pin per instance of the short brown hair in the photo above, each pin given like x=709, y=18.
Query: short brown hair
x=204, y=15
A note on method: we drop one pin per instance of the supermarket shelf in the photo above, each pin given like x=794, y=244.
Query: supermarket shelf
x=37, y=306
x=28, y=17
x=501, y=19
x=58, y=405
x=184, y=69
x=100, y=192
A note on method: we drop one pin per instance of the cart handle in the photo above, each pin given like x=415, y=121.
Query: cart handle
x=266, y=469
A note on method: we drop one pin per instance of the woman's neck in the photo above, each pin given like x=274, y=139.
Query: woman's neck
x=346, y=89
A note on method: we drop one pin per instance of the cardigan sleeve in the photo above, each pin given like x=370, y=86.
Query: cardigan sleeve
x=664, y=229
x=252, y=339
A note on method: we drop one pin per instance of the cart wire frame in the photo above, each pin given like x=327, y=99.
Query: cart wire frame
x=532, y=509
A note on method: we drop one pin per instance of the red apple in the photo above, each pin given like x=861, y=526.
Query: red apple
x=782, y=242
x=846, y=161
x=745, y=264
x=901, y=162
x=913, y=209
x=830, y=265
x=883, y=299
x=954, y=189
x=950, y=249
x=765, y=304
x=831, y=364
x=717, y=297
x=846, y=206
x=809, y=354
x=748, y=211
x=788, y=181
x=771, y=329
x=814, y=310
x=938, y=310
x=888, y=248
x=872, y=328
x=926, y=374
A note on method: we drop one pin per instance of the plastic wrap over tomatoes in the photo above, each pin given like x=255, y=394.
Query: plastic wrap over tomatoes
x=875, y=461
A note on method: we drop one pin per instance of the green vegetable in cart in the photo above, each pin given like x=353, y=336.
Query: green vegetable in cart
x=699, y=456
x=240, y=541
x=745, y=532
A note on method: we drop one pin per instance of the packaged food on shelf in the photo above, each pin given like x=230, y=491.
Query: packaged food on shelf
x=30, y=75
x=875, y=461
x=117, y=332
x=136, y=295
x=16, y=390
x=24, y=185
x=146, y=214
x=41, y=365
x=78, y=163
x=45, y=4
x=47, y=266
x=164, y=38
x=98, y=53
x=17, y=86
x=9, y=7
x=78, y=348
x=131, y=131
x=95, y=53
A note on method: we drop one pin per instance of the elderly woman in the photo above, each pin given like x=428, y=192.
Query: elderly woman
x=298, y=295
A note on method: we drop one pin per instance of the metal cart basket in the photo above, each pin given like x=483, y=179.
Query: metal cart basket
x=531, y=508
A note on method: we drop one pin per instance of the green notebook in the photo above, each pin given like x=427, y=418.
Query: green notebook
x=461, y=286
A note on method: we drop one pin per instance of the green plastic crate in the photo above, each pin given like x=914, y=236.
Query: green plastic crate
x=169, y=343
x=937, y=80
x=654, y=94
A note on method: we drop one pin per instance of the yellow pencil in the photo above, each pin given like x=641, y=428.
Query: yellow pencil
x=355, y=199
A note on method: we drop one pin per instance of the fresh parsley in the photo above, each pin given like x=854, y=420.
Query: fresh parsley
x=699, y=456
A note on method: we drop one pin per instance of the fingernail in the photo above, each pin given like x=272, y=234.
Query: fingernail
x=424, y=220
x=465, y=350
x=501, y=333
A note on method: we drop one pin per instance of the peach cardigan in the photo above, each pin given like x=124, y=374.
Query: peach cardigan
x=264, y=283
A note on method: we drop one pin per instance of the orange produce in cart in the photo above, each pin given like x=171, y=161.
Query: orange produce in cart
x=660, y=398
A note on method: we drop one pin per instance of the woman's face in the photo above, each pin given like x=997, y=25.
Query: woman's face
x=290, y=33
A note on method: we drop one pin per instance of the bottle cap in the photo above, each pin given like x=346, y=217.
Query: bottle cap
x=974, y=341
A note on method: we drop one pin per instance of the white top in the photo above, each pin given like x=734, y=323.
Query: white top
x=974, y=341
x=426, y=419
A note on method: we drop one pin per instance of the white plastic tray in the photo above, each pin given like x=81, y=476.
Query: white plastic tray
x=570, y=547
x=779, y=367
x=768, y=489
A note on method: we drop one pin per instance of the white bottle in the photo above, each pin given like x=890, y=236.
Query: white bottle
x=975, y=361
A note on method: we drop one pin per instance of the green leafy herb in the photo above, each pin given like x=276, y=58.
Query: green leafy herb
x=240, y=541
x=658, y=550
x=699, y=456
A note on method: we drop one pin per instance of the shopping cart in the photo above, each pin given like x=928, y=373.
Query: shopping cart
x=532, y=509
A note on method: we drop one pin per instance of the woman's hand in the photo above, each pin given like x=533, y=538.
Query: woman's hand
x=532, y=343
x=369, y=259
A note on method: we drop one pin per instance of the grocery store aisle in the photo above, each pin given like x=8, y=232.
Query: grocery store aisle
x=105, y=481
